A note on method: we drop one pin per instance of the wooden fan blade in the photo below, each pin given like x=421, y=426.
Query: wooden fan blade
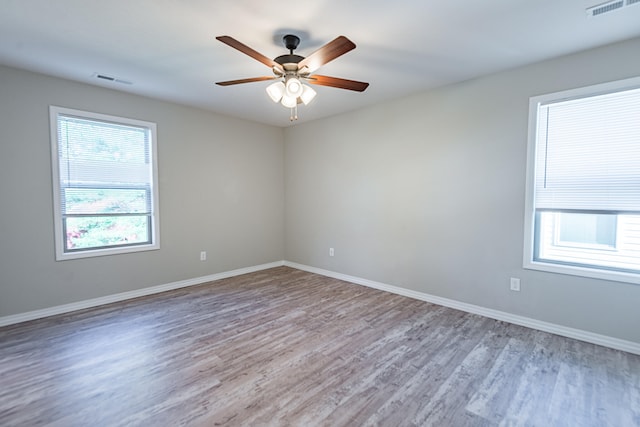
x=330, y=51
x=337, y=82
x=230, y=41
x=249, y=80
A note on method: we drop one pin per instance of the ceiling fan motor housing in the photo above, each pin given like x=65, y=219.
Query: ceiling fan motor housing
x=288, y=59
x=290, y=62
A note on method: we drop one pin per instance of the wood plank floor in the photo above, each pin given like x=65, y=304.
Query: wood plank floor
x=284, y=347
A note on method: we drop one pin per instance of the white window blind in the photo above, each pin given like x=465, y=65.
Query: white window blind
x=588, y=154
x=582, y=212
x=104, y=184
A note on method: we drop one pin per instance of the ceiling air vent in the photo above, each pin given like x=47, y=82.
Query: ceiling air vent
x=609, y=6
x=110, y=78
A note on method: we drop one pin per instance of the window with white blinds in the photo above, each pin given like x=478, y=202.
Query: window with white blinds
x=583, y=187
x=105, y=191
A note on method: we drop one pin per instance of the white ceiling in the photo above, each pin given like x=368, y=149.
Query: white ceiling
x=167, y=48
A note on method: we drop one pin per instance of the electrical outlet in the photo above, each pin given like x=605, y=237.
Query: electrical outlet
x=515, y=284
x=331, y=252
x=203, y=256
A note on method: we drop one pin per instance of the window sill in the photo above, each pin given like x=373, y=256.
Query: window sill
x=64, y=256
x=615, y=276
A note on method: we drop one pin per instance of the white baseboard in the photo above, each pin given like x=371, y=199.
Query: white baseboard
x=603, y=340
x=590, y=337
x=80, y=305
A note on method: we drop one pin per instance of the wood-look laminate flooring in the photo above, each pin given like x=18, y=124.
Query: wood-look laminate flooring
x=284, y=347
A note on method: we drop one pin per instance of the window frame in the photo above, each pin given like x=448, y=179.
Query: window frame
x=59, y=224
x=530, y=242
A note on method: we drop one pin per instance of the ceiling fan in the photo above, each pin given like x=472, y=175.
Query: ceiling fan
x=291, y=70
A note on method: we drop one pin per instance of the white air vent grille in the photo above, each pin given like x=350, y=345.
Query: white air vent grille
x=609, y=6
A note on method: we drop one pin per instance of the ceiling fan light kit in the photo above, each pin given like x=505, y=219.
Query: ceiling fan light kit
x=291, y=69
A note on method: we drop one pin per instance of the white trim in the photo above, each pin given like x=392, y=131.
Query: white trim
x=578, y=334
x=614, y=276
x=95, y=302
x=532, y=136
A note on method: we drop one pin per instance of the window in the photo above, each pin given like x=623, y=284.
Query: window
x=104, y=184
x=583, y=182
x=595, y=231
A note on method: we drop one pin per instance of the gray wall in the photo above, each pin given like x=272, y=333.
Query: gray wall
x=221, y=190
x=427, y=193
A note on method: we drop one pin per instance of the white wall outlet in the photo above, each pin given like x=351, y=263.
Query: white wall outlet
x=203, y=256
x=515, y=284
x=331, y=252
